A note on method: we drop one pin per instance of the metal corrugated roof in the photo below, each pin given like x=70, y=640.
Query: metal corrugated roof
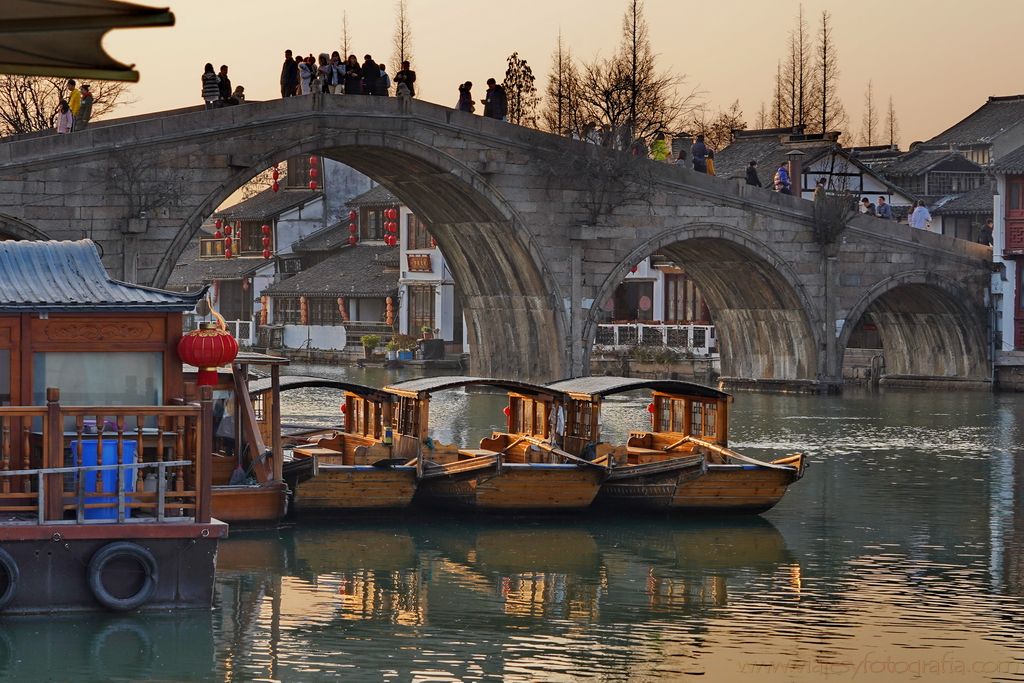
x=429, y=385
x=69, y=277
x=604, y=386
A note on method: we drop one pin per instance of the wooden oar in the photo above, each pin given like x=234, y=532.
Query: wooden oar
x=565, y=455
x=728, y=452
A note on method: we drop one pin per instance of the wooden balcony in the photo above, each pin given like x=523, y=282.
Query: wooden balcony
x=1014, y=245
x=105, y=464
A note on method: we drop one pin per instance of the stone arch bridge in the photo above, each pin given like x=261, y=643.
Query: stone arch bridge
x=538, y=231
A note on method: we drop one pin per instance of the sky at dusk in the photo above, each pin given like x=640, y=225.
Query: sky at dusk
x=938, y=59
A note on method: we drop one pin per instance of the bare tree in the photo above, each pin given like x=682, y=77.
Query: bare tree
x=403, y=35
x=29, y=103
x=829, y=111
x=763, y=117
x=869, y=121
x=521, y=92
x=608, y=179
x=717, y=130
x=892, y=125
x=797, y=74
x=561, y=114
x=346, y=40
x=778, y=98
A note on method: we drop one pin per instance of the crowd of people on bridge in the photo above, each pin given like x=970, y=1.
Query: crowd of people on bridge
x=74, y=108
x=330, y=74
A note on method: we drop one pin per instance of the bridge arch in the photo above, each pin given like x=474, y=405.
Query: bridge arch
x=16, y=229
x=927, y=326
x=767, y=327
x=508, y=295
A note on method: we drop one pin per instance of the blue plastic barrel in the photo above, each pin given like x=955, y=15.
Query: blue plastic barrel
x=108, y=477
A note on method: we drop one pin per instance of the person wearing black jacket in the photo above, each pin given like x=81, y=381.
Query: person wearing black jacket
x=752, y=178
x=224, y=83
x=371, y=72
x=289, y=75
x=407, y=76
x=353, y=77
x=496, y=103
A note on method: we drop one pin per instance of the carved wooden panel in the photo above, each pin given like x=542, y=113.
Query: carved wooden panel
x=419, y=263
x=98, y=333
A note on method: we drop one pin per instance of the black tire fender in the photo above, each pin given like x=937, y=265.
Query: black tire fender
x=122, y=550
x=8, y=569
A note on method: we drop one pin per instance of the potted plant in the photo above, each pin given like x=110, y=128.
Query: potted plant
x=369, y=342
x=406, y=345
x=392, y=349
x=428, y=332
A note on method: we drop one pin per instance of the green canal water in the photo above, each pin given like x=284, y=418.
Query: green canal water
x=899, y=556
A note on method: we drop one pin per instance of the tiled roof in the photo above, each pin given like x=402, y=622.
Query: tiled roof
x=70, y=277
x=376, y=196
x=978, y=200
x=268, y=204
x=920, y=161
x=355, y=272
x=1010, y=163
x=326, y=239
x=191, y=271
x=768, y=149
x=991, y=120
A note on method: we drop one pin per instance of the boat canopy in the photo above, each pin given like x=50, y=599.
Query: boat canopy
x=425, y=386
x=588, y=388
x=261, y=386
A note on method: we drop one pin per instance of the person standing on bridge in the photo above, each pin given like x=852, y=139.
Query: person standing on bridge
x=699, y=154
x=74, y=98
x=407, y=76
x=85, y=111
x=920, y=218
x=337, y=79
x=752, y=177
x=383, y=82
x=305, y=76
x=781, y=181
x=883, y=209
x=466, y=102
x=495, y=103
x=371, y=72
x=353, y=76
x=65, y=120
x=289, y=75
x=211, y=86
x=224, y=83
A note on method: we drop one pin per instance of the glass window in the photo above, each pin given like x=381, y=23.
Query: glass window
x=697, y=418
x=100, y=379
x=421, y=308
x=710, y=415
x=663, y=409
x=416, y=230
x=678, y=416
x=372, y=225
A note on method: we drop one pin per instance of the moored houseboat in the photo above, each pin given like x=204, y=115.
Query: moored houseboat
x=683, y=462
x=519, y=469
x=105, y=496
x=349, y=468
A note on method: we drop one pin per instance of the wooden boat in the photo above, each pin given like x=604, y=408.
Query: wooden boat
x=248, y=483
x=352, y=468
x=683, y=462
x=515, y=470
x=104, y=468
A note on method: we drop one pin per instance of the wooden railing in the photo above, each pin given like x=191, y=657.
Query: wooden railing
x=84, y=464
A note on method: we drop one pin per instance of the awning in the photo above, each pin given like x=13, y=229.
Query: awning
x=64, y=37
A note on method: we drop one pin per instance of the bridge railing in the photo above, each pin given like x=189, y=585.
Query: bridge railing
x=698, y=340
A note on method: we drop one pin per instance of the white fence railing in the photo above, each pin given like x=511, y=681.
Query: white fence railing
x=693, y=339
x=242, y=330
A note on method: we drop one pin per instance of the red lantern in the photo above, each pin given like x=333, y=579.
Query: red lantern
x=633, y=269
x=208, y=348
x=265, y=229
x=227, y=229
x=352, y=240
x=313, y=160
x=218, y=223
x=353, y=216
x=312, y=184
x=343, y=408
x=275, y=187
x=227, y=242
x=313, y=173
x=266, y=253
x=266, y=241
x=275, y=174
x=353, y=228
x=218, y=235
x=433, y=243
x=391, y=214
x=507, y=411
x=227, y=253
x=650, y=408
